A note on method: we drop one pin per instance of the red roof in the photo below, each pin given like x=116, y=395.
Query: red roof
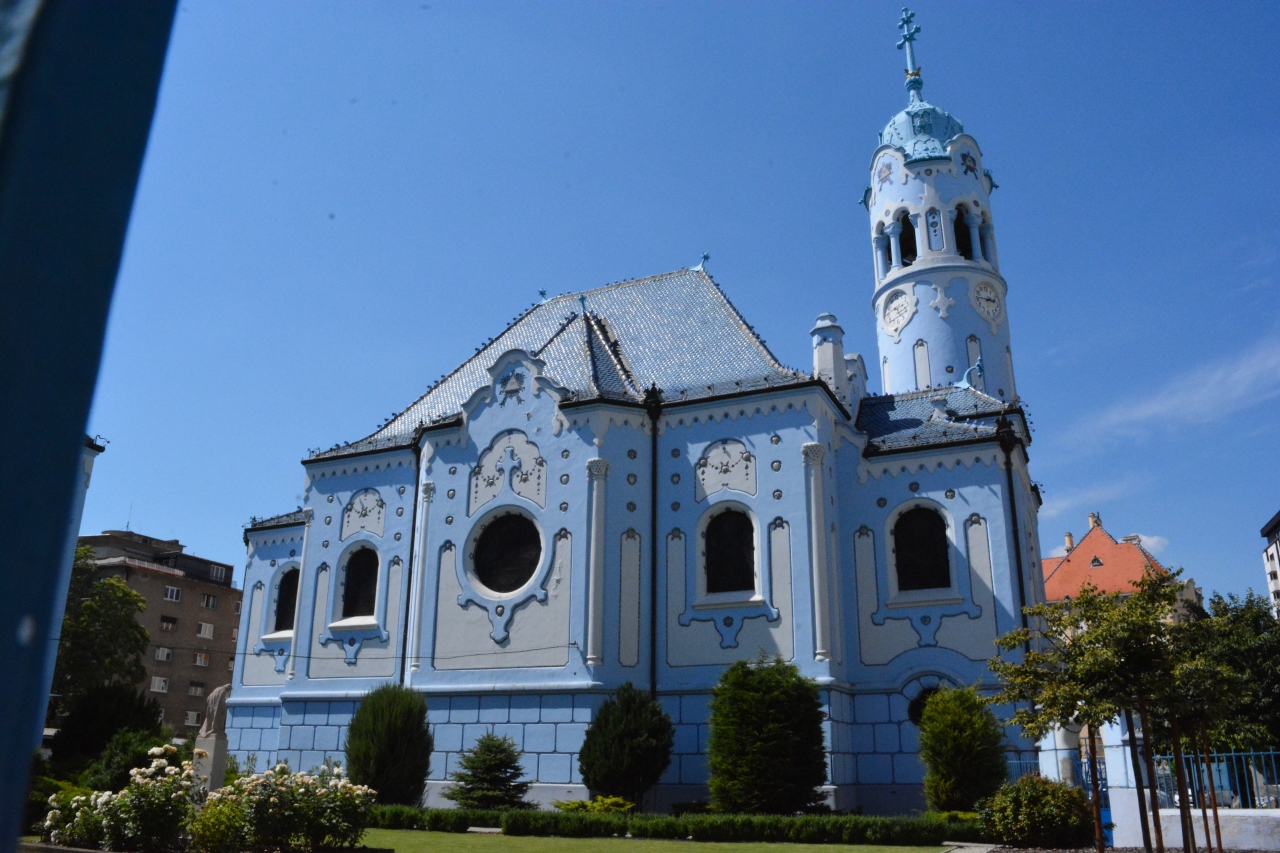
x=1109, y=565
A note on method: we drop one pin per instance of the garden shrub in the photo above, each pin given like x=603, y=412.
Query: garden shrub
x=490, y=776
x=46, y=792
x=396, y=817
x=288, y=810
x=563, y=824
x=222, y=826
x=962, y=747
x=628, y=745
x=389, y=745
x=460, y=820
x=766, y=752
x=1037, y=812
x=596, y=805
x=657, y=826
x=127, y=750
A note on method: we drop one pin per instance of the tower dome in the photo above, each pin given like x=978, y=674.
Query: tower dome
x=921, y=131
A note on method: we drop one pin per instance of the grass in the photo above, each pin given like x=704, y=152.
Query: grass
x=409, y=841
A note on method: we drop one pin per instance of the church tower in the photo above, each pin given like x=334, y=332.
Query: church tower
x=939, y=296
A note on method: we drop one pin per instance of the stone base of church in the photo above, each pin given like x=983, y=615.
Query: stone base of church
x=541, y=793
x=886, y=799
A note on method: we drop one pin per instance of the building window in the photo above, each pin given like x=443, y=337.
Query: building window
x=508, y=551
x=202, y=659
x=231, y=662
x=964, y=239
x=921, y=551
x=237, y=608
x=204, y=630
x=218, y=573
x=730, y=542
x=169, y=623
x=235, y=634
x=360, y=586
x=193, y=718
x=907, y=239
x=159, y=684
x=172, y=593
x=195, y=688
x=1275, y=575
x=164, y=654
x=209, y=602
x=287, y=599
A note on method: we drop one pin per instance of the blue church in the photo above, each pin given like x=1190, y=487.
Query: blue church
x=626, y=485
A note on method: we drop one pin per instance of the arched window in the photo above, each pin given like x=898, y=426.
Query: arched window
x=907, y=240
x=923, y=378
x=731, y=553
x=359, y=593
x=920, y=549
x=286, y=600
x=964, y=241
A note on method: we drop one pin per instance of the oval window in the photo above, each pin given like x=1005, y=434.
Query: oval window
x=507, y=553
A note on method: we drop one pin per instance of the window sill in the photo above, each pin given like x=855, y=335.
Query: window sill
x=722, y=600
x=925, y=598
x=277, y=636
x=354, y=623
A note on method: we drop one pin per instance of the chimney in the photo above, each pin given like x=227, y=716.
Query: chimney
x=1094, y=520
x=1071, y=542
x=828, y=356
x=939, y=412
x=1132, y=539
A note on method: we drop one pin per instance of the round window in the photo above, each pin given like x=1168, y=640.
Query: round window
x=507, y=553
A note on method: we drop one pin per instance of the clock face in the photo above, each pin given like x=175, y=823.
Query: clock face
x=367, y=504
x=897, y=310
x=988, y=301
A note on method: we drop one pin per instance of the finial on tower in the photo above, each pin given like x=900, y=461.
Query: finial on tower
x=909, y=33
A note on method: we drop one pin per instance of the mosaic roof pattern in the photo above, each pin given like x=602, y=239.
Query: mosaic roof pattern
x=677, y=331
x=903, y=421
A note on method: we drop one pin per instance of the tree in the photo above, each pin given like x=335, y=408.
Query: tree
x=96, y=716
x=1247, y=641
x=766, y=751
x=125, y=751
x=627, y=747
x=102, y=641
x=490, y=776
x=962, y=746
x=389, y=746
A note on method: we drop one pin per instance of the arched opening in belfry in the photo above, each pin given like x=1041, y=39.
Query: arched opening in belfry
x=964, y=242
x=907, y=240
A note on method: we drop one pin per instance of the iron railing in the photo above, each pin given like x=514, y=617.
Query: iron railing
x=1021, y=767
x=1240, y=780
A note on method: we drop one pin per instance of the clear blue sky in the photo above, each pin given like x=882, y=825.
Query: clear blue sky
x=340, y=201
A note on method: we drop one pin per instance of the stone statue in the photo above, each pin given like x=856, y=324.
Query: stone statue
x=215, y=714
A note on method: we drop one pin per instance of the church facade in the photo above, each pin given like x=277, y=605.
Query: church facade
x=626, y=485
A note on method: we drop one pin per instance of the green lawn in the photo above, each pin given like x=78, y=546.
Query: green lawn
x=407, y=841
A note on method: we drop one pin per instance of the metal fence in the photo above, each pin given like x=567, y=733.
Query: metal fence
x=1022, y=767
x=1239, y=780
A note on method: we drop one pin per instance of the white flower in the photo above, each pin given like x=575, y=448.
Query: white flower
x=200, y=753
x=156, y=751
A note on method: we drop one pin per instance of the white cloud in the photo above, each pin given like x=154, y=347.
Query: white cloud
x=1086, y=500
x=1060, y=551
x=1201, y=395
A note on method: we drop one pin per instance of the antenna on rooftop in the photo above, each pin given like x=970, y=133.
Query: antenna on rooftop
x=702, y=265
x=130, y=518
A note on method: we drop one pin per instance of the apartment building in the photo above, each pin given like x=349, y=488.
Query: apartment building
x=192, y=616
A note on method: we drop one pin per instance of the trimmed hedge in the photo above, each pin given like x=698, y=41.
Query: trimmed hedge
x=805, y=829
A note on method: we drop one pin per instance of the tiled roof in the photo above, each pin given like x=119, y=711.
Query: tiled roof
x=904, y=421
x=675, y=330
x=1119, y=566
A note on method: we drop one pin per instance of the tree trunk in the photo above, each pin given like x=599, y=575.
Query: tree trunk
x=1137, y=778
x=1096, y=785
x=1204, y=810
x=1184, y=805
x=1151, y=775
x=1213, y=787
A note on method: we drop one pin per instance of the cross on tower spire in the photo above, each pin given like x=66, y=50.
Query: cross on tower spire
x=909, y=33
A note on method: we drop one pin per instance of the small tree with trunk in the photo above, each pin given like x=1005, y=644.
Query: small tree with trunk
x=490, y=776
x=627, y=747
x=962, y=746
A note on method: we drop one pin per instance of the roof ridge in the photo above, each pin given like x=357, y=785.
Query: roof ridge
x=745, y=326
x=600, y=327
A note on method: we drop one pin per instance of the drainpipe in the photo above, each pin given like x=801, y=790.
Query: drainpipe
x=653, y=407
x=1008, y=441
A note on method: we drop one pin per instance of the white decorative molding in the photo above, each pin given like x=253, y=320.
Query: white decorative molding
x=629, y=600
x=813, y=454
x=894, y=466
x=512, y=457
x=597, y=472
x=912, y=305
x=365, y=511
x=941, y=303
x=725, y=464
x=993, y=323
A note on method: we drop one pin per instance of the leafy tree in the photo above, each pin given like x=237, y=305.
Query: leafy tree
x=125, y=751
x=389, y=746
x=1247, y=641
x=766, y=751
x=96, y=716
x=627, y=747
x=102, y=641
x=962, y=746
x=490, y=776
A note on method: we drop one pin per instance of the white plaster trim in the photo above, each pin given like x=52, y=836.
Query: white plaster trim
x=941, y=303
x=1000, y=297
x=355, y=622
x=276, y=636
x=913, y=303
x=893, y=466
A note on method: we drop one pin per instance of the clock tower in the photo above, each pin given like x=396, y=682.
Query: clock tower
x=940, y=300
